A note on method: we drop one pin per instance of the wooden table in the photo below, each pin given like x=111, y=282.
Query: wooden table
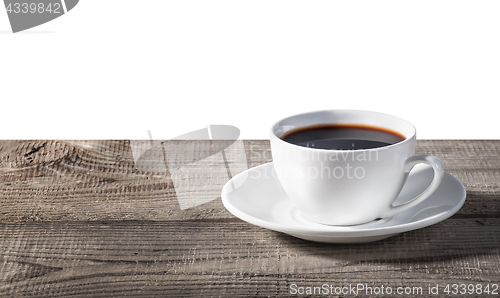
x=77, y=218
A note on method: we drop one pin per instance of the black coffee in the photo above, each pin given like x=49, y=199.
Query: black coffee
x=342, y=136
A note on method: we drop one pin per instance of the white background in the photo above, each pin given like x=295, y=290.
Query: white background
x=117, y=68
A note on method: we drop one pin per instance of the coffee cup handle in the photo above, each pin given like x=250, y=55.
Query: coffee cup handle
x=410, y=162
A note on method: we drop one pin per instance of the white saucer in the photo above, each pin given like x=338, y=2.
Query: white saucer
x=256, y=196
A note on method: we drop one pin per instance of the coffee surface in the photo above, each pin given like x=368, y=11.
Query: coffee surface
x=342, y=136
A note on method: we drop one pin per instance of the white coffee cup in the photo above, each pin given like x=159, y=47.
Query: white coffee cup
x=348, y=187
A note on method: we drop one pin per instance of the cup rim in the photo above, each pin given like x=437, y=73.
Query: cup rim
x=406, y=140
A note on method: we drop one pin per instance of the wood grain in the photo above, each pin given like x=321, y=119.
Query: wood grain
x=97, y=180
x=134, y=256
x=78, y=219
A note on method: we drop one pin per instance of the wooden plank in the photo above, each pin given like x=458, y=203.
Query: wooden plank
x=98, y=180
x=232, y=258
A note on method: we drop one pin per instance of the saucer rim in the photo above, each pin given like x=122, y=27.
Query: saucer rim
x=338, y=231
